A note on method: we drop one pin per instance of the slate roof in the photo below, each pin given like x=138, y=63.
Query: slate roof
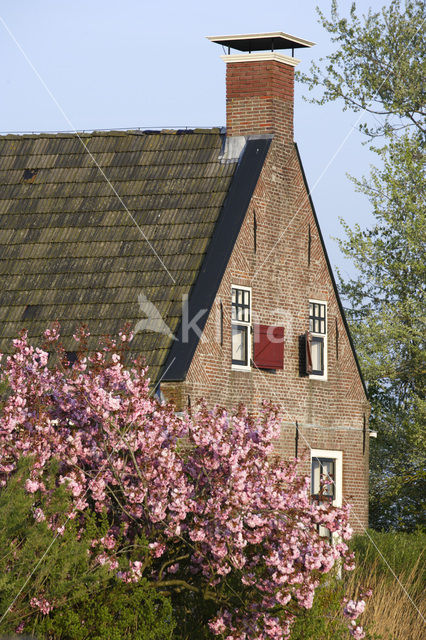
x=70, y=251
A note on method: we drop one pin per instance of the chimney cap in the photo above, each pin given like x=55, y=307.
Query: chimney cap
x=261, y=41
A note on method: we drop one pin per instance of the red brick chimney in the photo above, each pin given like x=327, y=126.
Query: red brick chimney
x=260, y=84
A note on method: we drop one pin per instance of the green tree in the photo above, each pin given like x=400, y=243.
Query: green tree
x=379, y=68
x=386, y=314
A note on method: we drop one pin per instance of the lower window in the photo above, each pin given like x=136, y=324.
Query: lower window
x=240, y=345
x=317, y=355
x=323, y=479
x=326, y=479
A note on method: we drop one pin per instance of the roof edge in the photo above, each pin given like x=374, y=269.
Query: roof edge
x=210, y=276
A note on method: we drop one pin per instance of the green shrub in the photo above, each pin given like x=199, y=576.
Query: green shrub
x=89, y=602
x=118, y=612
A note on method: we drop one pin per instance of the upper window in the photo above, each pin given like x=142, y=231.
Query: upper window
x=241, y=327
x=318, y=338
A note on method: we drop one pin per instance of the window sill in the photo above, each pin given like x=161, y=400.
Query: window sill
x=314, y=376
x=239, y=367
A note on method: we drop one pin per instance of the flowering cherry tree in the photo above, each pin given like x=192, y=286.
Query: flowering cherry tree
x=196, y=504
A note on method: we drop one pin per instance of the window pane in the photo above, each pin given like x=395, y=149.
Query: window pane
x=317, y=349
x=324, y=532
x=239, y=345
x=315, y=477
x=317, y=318
x=328, y=474
x=323, y=469
x=240, y=305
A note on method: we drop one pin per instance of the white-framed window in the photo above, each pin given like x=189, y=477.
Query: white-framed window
x=318, y=338
x=241, y=327
x=326, y=479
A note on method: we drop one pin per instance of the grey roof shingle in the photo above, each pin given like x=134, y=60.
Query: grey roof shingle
x=70, y=251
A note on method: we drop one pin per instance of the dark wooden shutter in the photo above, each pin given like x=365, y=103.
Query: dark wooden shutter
x=308, y=354
x=268, y=347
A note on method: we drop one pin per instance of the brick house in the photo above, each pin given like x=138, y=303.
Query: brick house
x=208, y=244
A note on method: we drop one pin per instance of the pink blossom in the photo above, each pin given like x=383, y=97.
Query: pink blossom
x=19, y=629
x=32, y=485
x=354, y=609
x=209, y=485
x=42, y=604
x=39, y=515
x=157, y=548
x=108, y=542
x=357, y=633
x=173, y=568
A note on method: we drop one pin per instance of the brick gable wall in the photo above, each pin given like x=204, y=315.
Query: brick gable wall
x=331, y=413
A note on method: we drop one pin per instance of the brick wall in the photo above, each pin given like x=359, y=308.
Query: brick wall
x=330, y=413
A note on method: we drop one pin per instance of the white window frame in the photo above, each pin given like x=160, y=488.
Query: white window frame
x=324, y=336
x=337, y=456
x=240, y=367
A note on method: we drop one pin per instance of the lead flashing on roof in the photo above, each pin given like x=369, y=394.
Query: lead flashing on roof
x=233, y=146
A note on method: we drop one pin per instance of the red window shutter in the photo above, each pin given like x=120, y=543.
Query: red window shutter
x=308, y=354
x=268, y=347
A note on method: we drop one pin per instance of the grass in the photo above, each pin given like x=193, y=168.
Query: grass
x=397, y=608
x=392, y=611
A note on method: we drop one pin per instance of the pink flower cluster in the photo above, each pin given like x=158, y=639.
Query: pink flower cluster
x=41, y=604
x=352, y=610
x=207, y=492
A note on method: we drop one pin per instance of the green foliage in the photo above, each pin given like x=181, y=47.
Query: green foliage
x=192, y=614
x=378, y=67
x=88, y=601
x=386, y=315
x=325, y=619
x=117, y=612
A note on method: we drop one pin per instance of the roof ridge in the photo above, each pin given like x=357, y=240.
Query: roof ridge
x=19, y=135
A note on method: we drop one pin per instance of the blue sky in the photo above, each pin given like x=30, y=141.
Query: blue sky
x=129, y=63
